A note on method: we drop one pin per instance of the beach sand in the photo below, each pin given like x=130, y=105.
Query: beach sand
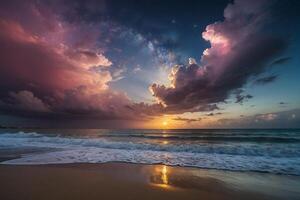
x=136, y=181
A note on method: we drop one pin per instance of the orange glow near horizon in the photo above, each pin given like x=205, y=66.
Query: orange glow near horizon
x=165, y=123
x=170, y=122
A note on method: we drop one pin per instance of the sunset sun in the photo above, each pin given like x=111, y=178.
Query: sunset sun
x=165, y=123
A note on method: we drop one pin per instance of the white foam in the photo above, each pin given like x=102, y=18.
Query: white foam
x=248, y=149
x=246, y=157
x=215, y=161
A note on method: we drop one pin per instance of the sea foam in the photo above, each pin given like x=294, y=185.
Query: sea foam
x=269, y=157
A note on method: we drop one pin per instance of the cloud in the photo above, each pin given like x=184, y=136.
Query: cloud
x=187, y=120
x=118, y=73
x=267, y=117
x=58, y=65
x=239, y=50
x=283, y=104
x=281, y=61
x=136, y=70
x=25, y=100
x=266, y=79
x=52, y=66
x=213, y=114
x=284, y=119
x=240, y=98
x=87, y=58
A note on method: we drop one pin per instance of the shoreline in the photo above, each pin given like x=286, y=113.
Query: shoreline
x=3, y=159
x=139, y=181
x=13, y=154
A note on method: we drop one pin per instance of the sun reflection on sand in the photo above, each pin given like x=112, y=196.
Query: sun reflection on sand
x=164, y=175
x=161, y=177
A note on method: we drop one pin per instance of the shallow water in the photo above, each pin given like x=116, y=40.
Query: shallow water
x=272, y=151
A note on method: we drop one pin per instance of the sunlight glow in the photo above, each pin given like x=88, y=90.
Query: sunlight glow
x=165, y=123
x=161, y=177
x=164, y=175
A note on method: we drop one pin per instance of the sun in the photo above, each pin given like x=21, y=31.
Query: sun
x=165, y=123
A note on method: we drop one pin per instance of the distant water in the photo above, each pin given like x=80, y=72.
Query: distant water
x=272, y=151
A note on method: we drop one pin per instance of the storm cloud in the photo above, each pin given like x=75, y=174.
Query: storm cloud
x=239, y=50
x=53, y=67
x=65, y=61
x=266, y=79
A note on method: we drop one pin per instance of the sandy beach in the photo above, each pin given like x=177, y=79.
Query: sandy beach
x=136, y=181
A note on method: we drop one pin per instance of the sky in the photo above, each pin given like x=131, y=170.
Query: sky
x=150, y=64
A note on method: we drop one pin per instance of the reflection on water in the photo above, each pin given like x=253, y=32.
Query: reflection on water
x=172, y=178
x=164, y=175
x=160, y=176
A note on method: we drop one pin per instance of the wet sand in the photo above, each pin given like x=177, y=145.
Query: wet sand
x=135, y=181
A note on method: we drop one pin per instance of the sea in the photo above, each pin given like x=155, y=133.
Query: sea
x=275, y=151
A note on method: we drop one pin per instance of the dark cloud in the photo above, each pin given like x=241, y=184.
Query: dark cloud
x=239, y=50
x=55, y=61
x=284, y=119
x=25, y=100
x=281, y=61
x=48, y=68
x=213, y=114
x=266, y=80
x=187, y=120
x=240, y=98
x=283, y=104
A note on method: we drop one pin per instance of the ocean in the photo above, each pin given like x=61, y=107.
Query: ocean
x=269, y=151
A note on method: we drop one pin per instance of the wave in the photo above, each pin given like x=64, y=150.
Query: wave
x=275, y=157
x=224, y=162
x=166, y=145
x=239, y=138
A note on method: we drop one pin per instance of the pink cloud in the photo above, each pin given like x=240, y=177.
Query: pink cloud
x=47, y=66
x=25, y=100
